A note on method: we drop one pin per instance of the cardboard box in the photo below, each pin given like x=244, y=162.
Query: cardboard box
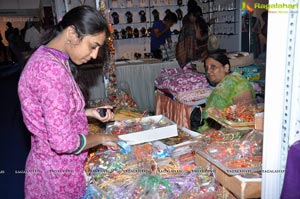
x=259, y=121
x=239, y=186
x=152, y=134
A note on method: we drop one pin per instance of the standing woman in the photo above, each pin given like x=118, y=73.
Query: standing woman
x=193, y=37
x=53, y=107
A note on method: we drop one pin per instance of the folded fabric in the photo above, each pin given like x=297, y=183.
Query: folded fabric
x=193, y=95
x=186, y=81
x=162, y=82
x=170, y=71
x=178, y=80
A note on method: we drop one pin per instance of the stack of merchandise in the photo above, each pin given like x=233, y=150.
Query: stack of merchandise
x=234, y=152
x=238, y=116
x=250, y=72
x=185, y=84
x=150, y=172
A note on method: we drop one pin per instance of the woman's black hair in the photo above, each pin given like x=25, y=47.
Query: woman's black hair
x=191, y=4
x=220, y=57
x=171, y=16
x=196, y=11
x=85, y=20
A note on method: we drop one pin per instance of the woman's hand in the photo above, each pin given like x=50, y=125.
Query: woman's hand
x=93, y=112
x=110, y=141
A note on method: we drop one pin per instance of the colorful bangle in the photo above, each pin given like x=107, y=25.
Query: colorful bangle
x=82, y=144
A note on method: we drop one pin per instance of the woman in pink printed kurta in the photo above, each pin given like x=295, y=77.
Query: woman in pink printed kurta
x=53, y=109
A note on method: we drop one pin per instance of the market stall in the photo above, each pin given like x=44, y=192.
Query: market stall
x=158, y=158
x=222, y=163
x=177, y=95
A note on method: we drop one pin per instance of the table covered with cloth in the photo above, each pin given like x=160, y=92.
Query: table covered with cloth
x=178, y=112
x=139, y=76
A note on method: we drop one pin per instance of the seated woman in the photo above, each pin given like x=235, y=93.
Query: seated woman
x=230, y=88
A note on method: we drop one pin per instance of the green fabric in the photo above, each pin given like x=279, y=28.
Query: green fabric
x=222, y=96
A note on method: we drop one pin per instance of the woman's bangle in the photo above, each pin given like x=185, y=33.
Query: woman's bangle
x=81, y=145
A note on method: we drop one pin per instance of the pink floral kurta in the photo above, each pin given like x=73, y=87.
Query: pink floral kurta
x=53, y=111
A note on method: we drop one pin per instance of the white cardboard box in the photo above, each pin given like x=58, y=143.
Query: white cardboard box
x=194, y=134
x=151, y=134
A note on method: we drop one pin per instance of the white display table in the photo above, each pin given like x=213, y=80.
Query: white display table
x=139, y=76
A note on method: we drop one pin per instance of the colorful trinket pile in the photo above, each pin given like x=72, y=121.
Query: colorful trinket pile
x=139, y=174
x=240, y=152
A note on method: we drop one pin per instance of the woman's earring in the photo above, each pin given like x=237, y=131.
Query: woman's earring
x=68, y=41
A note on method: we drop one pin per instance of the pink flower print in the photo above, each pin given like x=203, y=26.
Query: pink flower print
x=48, y=102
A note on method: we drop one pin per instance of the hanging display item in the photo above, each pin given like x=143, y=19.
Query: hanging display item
x=123, y=33
x=136, y=33
x=129, y=32
x=155, y=14
x=142, y=14
x=129, y=16
x=116, y=34
x=115, y=17
x=116, y=96
x=143, y=32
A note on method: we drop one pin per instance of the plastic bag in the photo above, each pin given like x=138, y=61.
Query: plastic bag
x=212, y=43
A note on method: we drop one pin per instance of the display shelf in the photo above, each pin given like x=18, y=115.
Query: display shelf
x=157, y=6
x=228, y=10
x=133, y=23
x=210, y=1
x=226, y=22
x=128, y=8
x=227, y=17
x=134, y=7
x=208, y=12
x=221, y=34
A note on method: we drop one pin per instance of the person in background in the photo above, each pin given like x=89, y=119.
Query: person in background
x=192, y=40
x=8, y=35
x=3, y=49
x=17, y=46
x=9, y=30
x=53, y=107
x=230, y=88
x=27, y=25
x=264, y=29
x=161, y=33
x=34, y=34
x=190, y=4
